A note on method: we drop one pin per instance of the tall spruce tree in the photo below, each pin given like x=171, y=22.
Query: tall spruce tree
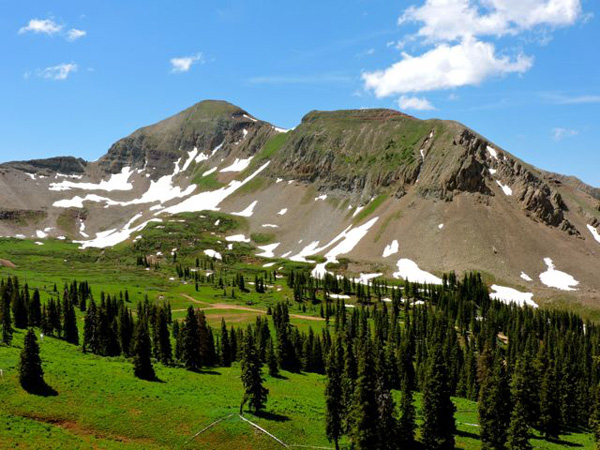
x=407, y=421
x=191, y=341
x=142, y=353
x=70, y=331
x=518, y=430
x=439, y=426
x=364, y=414
x=334, y=401
x=494, y=404
x=31, y=374
x=5, y=319
x=255, y=394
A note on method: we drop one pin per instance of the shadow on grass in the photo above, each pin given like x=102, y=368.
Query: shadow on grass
x=468, y=434
x=562, y=442
x=44, y=390
x=272, y=416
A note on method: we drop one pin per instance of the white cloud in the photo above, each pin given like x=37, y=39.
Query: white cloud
x=59, y=72
x=559, y=134
x=185, y=63
x=73, y=34
x=444, y=20
x=45, y=26
x=560, y=99
x=460, y=56
x=469, y=62
x=416, y=103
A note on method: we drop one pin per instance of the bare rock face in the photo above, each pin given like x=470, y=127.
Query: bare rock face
x=66, y=165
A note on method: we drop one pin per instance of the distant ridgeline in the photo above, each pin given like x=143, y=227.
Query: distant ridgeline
x=528, y=368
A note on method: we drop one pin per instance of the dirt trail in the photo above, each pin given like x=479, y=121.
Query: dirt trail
x=243, y=308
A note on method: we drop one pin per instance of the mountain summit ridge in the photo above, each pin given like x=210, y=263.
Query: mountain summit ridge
x=452, y=199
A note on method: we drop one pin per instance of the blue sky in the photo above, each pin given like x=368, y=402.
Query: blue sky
x=77, y=76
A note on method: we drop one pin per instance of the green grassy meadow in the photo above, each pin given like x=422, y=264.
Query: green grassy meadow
x=101, y=405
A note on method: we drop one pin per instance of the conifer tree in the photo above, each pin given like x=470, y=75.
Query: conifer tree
x=364, y=413
x=90, y=330
x=35, y=310
x=549, y=422
x=142, y=353
x=493, y=405
x=334, y=402
x=70, y=331
x=518, y=430
x=165, y=352
x=191, y=342
x=31, y=374
x=5, y=318
x=255, y=394
x=272, y=362
x=225, y=352
x=439, y=426
x=407, y=421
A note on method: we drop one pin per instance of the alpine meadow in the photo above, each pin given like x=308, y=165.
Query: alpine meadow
x=334, y=267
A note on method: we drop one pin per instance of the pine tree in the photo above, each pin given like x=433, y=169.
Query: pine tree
x=5, y=318
x=35, y=310
x=90, y=330
x=334, y=402
x=70, y=331
x=439, y=426
x=142, y=353
x=493, y=405
x=407, y=422
x=272, y=362
x=31, y=374
x=364, y=413
x=191, y=342
x=255, y=394
x=163, y=340
x=549, y=422
x=518, y=430
x=225, y=352
x=595, y=416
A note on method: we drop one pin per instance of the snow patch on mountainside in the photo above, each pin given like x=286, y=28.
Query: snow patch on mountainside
x=510, y=295
x=113, y=237
x=505, y=188
x=267, y=250
x=212, y=253
x=557, y=279
x=117, y=182
x=594, y=232
x=248, y=211
x=391, y=249
x=238, y=165
x=409, y=270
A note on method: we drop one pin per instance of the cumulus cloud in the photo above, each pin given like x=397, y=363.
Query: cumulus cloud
x=458, y=36
x=73, y=34
x=185, y=63
x=59, y=72
x=416, y=103
x=444, y=67
x=444, y=20
x=44, y=26
x=51, y=28
x=558, y=134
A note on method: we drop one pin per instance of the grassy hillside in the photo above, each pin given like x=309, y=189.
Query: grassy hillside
x=101, y=405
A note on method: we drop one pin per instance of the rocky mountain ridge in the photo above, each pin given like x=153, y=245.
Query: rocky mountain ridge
x=448, y=197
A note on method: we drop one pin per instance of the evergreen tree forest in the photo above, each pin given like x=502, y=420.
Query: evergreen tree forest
x=528, y=369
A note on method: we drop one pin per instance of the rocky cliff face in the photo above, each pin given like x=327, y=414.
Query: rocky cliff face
x=204, y=126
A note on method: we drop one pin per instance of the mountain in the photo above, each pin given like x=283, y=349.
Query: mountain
x=370, y=191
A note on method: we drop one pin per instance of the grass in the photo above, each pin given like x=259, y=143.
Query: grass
x=370, y=208
x=101, y=405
